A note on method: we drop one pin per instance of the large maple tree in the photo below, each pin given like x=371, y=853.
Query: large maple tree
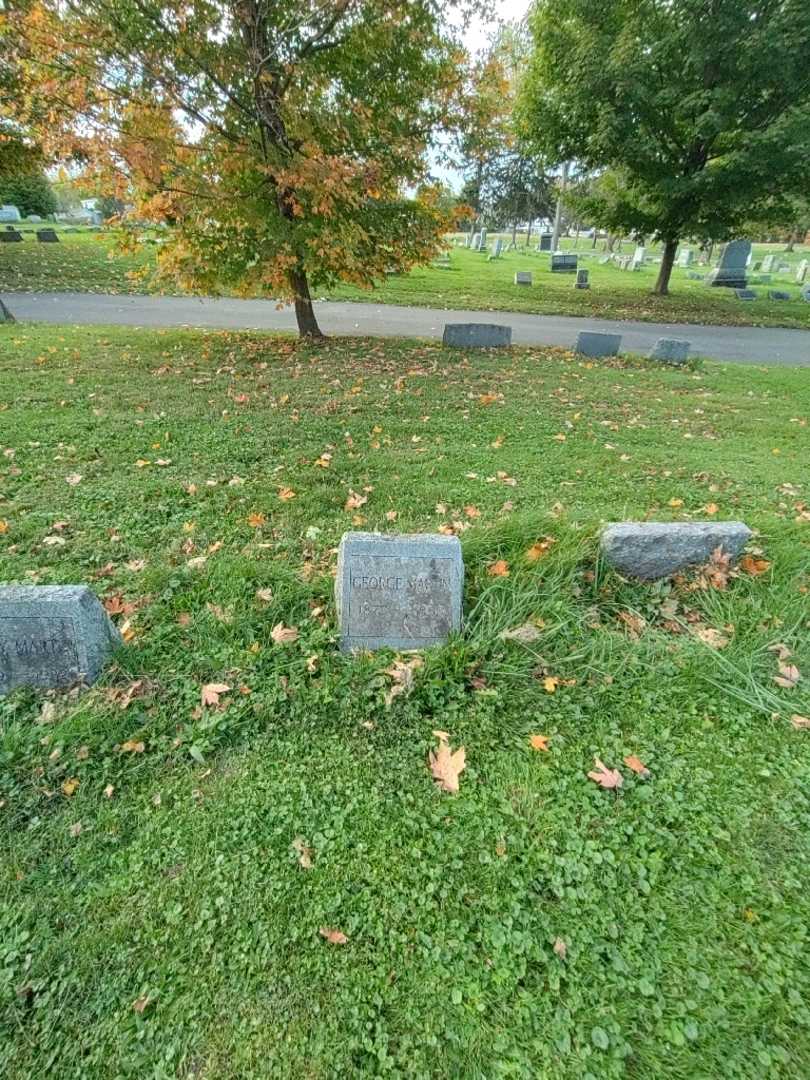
x=278, y=139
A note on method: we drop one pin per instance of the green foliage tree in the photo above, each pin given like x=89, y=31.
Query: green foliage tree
x=31, y=194
x=278, y=136
x=701, y=110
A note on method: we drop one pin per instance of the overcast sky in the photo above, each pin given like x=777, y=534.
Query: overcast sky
x=506, y=11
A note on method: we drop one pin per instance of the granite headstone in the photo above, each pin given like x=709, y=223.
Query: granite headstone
x=590, y=343
x=656, y=549
x=670, y=351
x=730, y=271
x=523, y=277
x=476, y=336
x=52, y=636
x=398, y=591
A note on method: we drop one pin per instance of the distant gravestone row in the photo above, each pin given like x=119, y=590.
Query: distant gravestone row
x=589, y=342
x=10, y=235
x=394, y=591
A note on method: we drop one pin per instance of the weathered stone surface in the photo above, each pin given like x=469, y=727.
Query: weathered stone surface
x=545, y=242
x=563, y=264
x=523, y=277
x=656, y=549
x=670, y=350
x=52, y=636
x=801, y=272
x=10, y=235
x=582, y=281
x=685, y=257
x=592, y=344
x=497, y=250
x=768, y=263
x=745, y=294
x=778, y=294
x=730, y=271
x=398, y=591
x=476, y=336
x=47, y=236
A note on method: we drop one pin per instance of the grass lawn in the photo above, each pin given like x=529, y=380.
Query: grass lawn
x=155, y=918
x=90, y=262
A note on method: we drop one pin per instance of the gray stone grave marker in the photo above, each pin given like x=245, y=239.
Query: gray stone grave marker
x=670, y=351
x=801, y=272
x=10, y=235
x=52, y=636
x=497, y=249
x=563, y=264
x=582, y=281
x=47, y=236
x=656, y=549
x=767, y=264
x=476, y=336
x=545, y=242
x=398, y=591
x=590, y=343
x=745, y=294
x=638, y=258
x=685, y=257
x=730, y=271
x=9, y=212
x=523, y=277
x=779, y=294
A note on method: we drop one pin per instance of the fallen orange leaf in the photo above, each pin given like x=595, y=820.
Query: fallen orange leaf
x=500, y=568
x=637, y=765
x=334, y=937
x=539, y=742
x=210, y=693
x=753, y=566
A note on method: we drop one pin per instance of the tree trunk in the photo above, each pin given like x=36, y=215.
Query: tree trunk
x=595, y=237
x=555, y=236
x=795, y=238
x=304, y=311
x=529, y=231
x=667, y=262
x=514, y=235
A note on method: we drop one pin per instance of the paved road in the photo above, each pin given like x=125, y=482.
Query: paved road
x=743, y=344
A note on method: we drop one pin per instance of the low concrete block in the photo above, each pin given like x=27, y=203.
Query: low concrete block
x=593, y=344
x=655, y=549
x=477, y=336
x=670, y=351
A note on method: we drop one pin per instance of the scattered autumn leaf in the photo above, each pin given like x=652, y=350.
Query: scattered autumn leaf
x=801, y=723
x=539, y=742
x=391, y=515
x=109, y=790
x=525, y=634
x=69, y=786
x=265, y=595
x=605, y=777
x=133, y=746
x=75, y=830
x=140, y=1003
x=550, y=683
x=500, y=568
x=401, y=672
x=637, y=765
x=3, y=526
x=711, y=508
x=303, y=851
x=446, y=765
x=355, y=501
x=284, y=635
x=73, y=479
x=750, y=564
x=675, y=503
x=635, y=624
x=210, y=693
x=286, y=493
x=788, y=676
x=334, y=937
x=560, y=948
x=711, y=637
x=539, y=549
x=256, y=520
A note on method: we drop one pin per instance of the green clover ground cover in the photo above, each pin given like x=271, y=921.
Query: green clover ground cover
x=157, y=921
x=92, y=262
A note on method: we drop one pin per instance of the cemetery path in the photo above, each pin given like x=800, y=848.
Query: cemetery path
x=740, y=344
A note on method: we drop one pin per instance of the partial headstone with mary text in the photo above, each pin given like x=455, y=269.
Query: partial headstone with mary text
x=398, y=591
x=52, y=636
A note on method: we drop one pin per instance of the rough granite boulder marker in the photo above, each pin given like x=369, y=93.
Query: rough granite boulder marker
x=52, y=636
x=670, y=351
x=477, y=336
x=592, y=344
x=656, y=549
x=398, y=591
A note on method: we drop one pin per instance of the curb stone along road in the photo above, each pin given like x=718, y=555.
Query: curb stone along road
x=741, y=344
